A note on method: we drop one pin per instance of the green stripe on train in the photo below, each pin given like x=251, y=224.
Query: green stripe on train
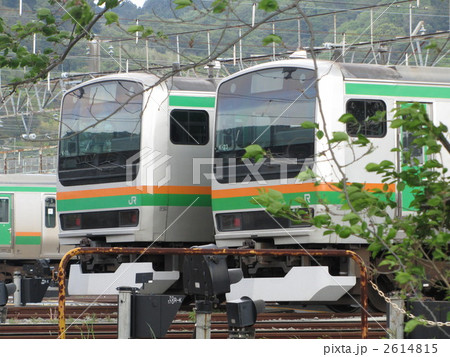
x=5, y=239
x=397, y=90
x=27, y=189
x=28, y=240
x=185, y=101
x=124, y=201
x=238, y=203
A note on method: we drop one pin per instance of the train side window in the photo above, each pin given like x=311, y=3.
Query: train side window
x=50, y=212
x=189, y=127
x=4, y=210
x=362, y=110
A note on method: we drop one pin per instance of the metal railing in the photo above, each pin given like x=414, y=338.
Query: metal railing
x=29, y=161
x=202, y=251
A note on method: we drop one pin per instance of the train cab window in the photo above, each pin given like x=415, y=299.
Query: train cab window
x=4, y=210
x=50, y=212
x=364, y=110
x=189, y=127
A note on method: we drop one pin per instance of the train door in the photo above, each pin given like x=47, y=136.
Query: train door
x=189, y=189
x=50, y=243
x=417, y=154
x=6, y=218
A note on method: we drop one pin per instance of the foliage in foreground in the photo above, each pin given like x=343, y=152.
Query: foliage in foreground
x=412, y=246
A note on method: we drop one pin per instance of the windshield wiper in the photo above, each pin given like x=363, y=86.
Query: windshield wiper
x=112, y=163
x=92, y=165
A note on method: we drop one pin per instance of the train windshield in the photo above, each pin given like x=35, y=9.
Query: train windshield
x=100, y=133
x=266, y=108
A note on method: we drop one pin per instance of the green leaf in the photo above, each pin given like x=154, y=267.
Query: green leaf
x=182, y=3
x=397, y=123
x=339, y=136
x=403, y=277
x=347, y=118
x=306, y=175
x=162, y=35
x=386, y=164
x=147, y=32
x=386, y=262
x=135, y=28
x=110, y=4
x=219, y=6
x=438, y=254
x=345, y=232
x=432, y=45
x=411, y=325
x=392, y=233
x=309, y=125
x=255, y=152
x=372, y=167
x=434, y=201
x=362, y=140
x=260, y=200
x=302, y=201
x=275, y=195
x=275, y=207
x=319, y=134
x=272, y=38
x=45, y=15
x=350, y=216
x=356, y=229
x=5, y=41
x=268, y=5
x=111, y=17
x=53, y=38
x=321, y=220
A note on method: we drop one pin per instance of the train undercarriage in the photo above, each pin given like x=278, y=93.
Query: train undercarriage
x=325, y=280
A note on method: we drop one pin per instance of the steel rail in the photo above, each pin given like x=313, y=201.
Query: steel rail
x=203, y=251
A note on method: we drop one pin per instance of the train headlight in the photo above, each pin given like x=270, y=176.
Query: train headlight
x=306, y=214
x=129, y=218
x=71, y=221
x=229, y=222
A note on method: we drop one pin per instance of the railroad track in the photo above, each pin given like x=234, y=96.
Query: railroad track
x=99, y=322
x=72, y=312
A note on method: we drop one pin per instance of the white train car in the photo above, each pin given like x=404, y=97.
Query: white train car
x=28, y=224
x=132, y=157
x=266, y=105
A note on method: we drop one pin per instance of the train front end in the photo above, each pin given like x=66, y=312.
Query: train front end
x=264, y=108
x=119, y=178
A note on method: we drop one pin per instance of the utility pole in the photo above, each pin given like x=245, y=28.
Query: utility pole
x=93, y=51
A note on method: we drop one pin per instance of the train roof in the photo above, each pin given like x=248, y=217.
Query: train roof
x=193, y=84
x=174, y=83
x=396, y=73
x=353, y=71
x=28, y=179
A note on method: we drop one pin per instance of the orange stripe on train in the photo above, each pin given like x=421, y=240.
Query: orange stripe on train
x=135, y=190
x=293, y=188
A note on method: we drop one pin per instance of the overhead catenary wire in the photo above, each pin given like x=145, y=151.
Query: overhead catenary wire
x=208, y=28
